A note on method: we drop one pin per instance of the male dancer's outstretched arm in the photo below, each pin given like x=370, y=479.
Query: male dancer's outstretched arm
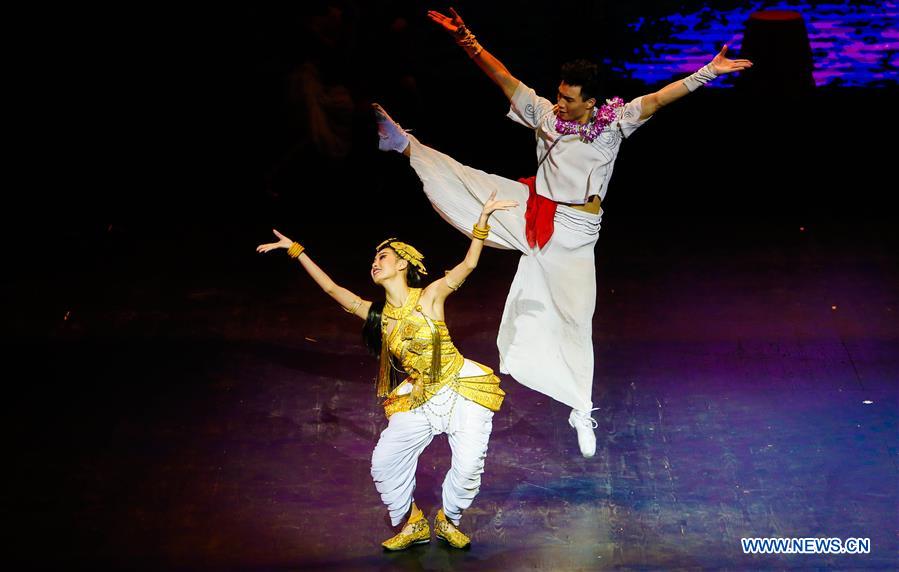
x=652, y=102
x=491, y=66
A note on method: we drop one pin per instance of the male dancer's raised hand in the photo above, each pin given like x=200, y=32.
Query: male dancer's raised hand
x=721, y=64
x=451, y=25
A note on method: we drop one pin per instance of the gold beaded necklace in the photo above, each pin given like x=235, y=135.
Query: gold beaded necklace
x=391, y=311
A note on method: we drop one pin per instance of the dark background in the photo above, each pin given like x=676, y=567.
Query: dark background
x=146, y=129
x=189, y=119
x=166, y=142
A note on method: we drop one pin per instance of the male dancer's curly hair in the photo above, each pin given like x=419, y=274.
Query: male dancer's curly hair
x=583, y=73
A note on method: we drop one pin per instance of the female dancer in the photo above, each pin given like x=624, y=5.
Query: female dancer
x=429, y=387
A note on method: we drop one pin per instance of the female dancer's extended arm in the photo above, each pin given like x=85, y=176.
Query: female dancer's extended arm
x=350, y=301
x=442, y=288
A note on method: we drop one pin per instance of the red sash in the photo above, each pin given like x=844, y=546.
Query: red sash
x=538, y=216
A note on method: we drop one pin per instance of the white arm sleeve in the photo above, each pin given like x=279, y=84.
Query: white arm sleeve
x=527, y=108
x=629, y=116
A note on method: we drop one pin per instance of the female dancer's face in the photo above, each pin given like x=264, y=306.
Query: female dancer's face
x=386, y=265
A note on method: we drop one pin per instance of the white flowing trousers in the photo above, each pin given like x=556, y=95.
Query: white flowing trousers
x=545, y=337
x=395, y=458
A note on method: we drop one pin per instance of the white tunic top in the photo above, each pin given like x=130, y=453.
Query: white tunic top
x=574, y=170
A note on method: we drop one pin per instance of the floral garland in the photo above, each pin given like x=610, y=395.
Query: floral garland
x=591, y=130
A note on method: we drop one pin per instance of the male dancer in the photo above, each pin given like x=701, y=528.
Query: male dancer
x=545, y=336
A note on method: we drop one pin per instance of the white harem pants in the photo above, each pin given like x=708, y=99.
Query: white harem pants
x=395, y=458
x=545, y=337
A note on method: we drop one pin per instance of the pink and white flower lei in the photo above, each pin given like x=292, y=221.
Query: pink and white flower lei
x=591, y=130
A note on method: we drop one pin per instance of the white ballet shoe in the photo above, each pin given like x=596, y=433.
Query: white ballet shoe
x=391, y=136
x=584, y=424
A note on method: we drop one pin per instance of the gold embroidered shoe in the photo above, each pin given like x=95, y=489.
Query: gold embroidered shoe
x=416, y=531
x=445, y=530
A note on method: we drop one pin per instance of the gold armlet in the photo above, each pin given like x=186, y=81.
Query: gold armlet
x=355, y=307
x=295, y=250
x=449, y=282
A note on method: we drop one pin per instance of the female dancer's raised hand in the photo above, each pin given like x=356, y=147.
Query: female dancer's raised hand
x=284, y=242
x=492, y=205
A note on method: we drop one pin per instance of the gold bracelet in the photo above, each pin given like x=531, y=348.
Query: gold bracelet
x=295, y=250
x=480, y=233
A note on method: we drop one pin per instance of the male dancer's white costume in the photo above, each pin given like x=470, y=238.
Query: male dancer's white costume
x=545, y=337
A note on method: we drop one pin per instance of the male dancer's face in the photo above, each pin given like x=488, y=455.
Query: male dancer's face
x=570, y=106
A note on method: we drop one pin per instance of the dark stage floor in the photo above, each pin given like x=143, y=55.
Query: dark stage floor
x=217, y=412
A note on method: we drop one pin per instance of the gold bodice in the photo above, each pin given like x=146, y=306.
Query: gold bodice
x=412, y=344
x=423, y=347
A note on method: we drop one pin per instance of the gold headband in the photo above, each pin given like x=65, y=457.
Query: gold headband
x=407, y=252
